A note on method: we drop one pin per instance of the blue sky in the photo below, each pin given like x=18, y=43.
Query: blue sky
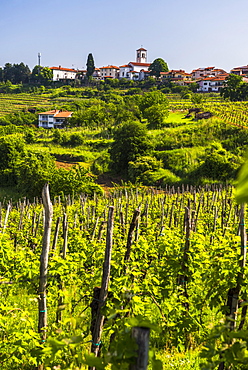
x=186, y=34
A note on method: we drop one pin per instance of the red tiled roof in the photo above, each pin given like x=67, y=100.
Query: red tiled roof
x=202, y=69
x=238, y=68
x=140, y=64
x=50, y=111
x=141, y=49
x=63, y=69
x=63, y=114
x=125, y=66
x=177, y=71
x=217, y=78
x=57, y=113
x=110, y=67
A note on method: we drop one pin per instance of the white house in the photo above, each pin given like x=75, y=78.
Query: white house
x=211, y=84
x=53, y=118
x=60, y=73
x=124, y=71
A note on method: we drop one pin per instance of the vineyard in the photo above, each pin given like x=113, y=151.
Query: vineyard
x=13, y=103
x=177, y=268
x=234, y=113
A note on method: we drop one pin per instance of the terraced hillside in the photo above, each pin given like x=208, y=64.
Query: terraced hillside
x=12, y=103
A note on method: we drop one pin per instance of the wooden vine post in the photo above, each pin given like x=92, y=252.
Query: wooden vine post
x=183, y=277
x=141, y=336
x=131, y=233
x=233, y=294
x=99, y=318
x=44, y=263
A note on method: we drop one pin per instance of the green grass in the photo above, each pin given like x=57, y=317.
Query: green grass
x=177, y=118
x=180, y=361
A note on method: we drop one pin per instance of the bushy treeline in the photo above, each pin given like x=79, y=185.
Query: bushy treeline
x=183, y=156
x=21, y=74
x=27, y=171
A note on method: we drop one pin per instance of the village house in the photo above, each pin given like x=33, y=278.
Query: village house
x=240, y=71
x=109, y=72
x=53, y=118
x=212, y=83
x=61, y=74
x=97, y=74
x=179, y=77
x=204, y=72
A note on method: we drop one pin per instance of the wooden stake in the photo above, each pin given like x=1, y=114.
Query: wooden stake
x=44, y=262
x=97, y=332
x=56, y=234
x=130, y=234
x=6, y=217
x=141, y=336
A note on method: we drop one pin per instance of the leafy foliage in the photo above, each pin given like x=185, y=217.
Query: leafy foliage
x=157, y=66
x=130, y=141
x=90, y=65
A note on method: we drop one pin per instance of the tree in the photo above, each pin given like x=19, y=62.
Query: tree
x=157, y=66
x=156, y=115
x=8, y=72
x=90, y=65
x=153, y=98
x=16, y=73
x=130, y=141
x=41, y=74
x=21, y=73
x=232, y=86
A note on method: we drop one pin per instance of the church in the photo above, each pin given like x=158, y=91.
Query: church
x=136, y=70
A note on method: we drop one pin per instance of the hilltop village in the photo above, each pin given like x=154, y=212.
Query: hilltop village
x=209, y=79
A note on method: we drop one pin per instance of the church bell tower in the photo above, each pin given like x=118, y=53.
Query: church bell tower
x=141, y=55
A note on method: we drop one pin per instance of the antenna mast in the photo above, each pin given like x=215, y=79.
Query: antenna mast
x=39, y=56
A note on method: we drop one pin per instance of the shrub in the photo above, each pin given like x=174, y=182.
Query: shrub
x=160, y=177
x=130, y=142
x=218, y=164
x=141, y=165
x=101, y=164
x=75, y=140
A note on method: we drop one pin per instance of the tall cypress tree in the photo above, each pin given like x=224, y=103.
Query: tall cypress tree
x=90, y=65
